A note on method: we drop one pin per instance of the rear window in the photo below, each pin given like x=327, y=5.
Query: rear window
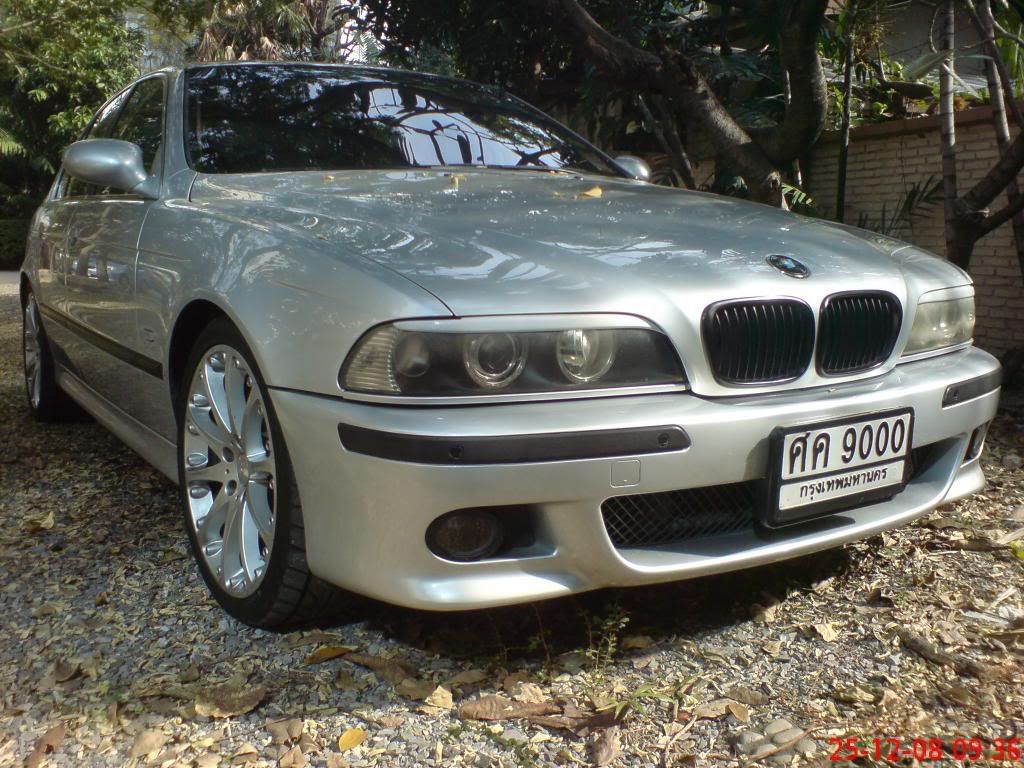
x=252, y=118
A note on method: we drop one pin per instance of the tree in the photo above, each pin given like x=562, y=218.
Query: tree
x=58, y=62
x=306, y=30
x=655, y=48
x=968, y=216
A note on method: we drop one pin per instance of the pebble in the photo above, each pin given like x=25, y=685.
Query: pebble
x=749, y=741
x=787, y=735
x=515, y=735
x=1013, y=461
x=777, y=726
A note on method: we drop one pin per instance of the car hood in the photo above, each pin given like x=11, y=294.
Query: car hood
x=488, y=241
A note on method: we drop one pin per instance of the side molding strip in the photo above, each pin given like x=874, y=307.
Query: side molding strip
x=513, y=449
x=963, y=391
x=111, y=347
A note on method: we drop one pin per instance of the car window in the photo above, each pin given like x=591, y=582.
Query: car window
x=268, y=117
x=142, y=119
x=101, y=127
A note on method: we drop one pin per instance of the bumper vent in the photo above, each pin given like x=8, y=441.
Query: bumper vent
x=670, y=517
x=650, y=519
x=858, y=332
x=756, y=342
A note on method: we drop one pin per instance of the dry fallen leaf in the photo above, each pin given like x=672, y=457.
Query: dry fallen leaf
x=512, y=681
x=748, y=696
x=413, y=688
x=469, y=677
x=351, y=739
x=765, y=614
x=441, y=697
x=47, y=743
x=293, y=758
x=209, y=760
x=228, y=700
x=393, y=671
x=285, y=731
x=41, y=524
x=605, y=747
x=713, y=710
x=148, y=742
x=637, y=642
x=826, y=631
x=502, y=708
x=327, y=652
x=593, y=192
x=334, y=760
x=529, y=692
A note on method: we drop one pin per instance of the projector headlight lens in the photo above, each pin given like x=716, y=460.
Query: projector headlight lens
x=586, y=356
x=494, y=360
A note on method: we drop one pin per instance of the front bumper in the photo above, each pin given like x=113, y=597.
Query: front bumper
x=366, y=516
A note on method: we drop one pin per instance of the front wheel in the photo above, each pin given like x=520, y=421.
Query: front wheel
x=240, y=500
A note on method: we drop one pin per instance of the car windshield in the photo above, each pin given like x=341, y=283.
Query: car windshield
x=252, y=118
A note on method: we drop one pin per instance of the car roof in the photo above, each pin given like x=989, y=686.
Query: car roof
x=394, y=74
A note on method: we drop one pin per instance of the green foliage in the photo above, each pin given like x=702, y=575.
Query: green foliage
x=917, y=202
x=513, y=45
x=798, y=201
x=58, y=61
x=12, y=242
x=603, y=634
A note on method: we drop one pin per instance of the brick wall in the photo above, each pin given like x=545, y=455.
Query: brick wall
x=885, y=160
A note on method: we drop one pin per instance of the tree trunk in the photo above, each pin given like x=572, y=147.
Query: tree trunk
x=677, y=79
x=999, y=121
x=844, y=128
x=954, y=244
x=667, y=136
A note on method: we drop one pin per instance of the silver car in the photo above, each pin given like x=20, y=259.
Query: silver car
x=407, y=337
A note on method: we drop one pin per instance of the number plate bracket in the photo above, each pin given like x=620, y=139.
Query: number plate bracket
x=773, y=516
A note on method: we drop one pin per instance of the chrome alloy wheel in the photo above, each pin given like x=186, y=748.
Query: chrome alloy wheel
x=230, y=471
x=33, y=353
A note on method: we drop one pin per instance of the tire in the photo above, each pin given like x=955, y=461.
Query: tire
x=239, y=497
x=47, y=401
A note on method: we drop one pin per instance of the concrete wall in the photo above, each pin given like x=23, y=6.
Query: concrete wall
x=885, y=160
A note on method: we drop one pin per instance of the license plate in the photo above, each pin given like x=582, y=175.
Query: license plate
x=821, y=468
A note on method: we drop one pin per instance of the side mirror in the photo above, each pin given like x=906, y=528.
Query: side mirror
x=634, y=166
x=110, y=163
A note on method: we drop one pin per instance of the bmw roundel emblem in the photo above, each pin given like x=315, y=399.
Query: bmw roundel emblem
x=787, y=265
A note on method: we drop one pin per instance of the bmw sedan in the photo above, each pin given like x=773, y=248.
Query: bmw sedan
x=405, y=336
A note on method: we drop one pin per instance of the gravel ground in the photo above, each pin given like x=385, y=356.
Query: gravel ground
x=112, y=653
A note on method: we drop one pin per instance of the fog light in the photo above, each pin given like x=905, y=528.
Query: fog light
x=466, y=534
x=977, y=443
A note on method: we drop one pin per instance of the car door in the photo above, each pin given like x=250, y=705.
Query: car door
x=54, y=217
x=102, y=247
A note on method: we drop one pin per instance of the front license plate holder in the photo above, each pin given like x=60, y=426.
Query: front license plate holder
x=812, y=480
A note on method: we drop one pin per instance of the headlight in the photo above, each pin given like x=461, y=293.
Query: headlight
x=940, y=324
x=390, y=360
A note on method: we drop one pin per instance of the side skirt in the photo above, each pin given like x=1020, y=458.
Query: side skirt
x=153, y=447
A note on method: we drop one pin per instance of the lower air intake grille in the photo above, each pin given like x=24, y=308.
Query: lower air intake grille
x=754, y=342
x=858, y=331
x=650, y=519
x=654, y=519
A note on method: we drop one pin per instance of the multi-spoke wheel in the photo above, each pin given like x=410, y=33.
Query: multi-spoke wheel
x=47, y=401
x=241, y=504
x=229, y=470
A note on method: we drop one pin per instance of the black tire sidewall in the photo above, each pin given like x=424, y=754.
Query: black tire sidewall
x=257, y=608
